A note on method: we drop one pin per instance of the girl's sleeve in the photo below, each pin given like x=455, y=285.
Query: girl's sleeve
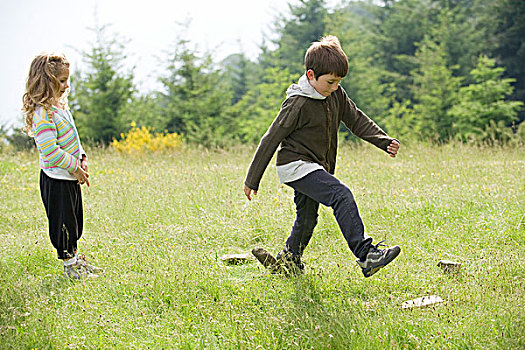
x=45, y=134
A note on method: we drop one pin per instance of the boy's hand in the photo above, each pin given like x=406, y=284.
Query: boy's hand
x=393, y=148
x=81, y=176
x=248, y=192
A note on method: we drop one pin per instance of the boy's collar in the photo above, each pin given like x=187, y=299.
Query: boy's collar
x=303, y=88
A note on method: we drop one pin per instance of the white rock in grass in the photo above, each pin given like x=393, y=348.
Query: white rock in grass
x=422, y=302
x=236, y=259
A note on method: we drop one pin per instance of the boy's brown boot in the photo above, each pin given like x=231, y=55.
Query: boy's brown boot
x=285, y=262
x=289, y=264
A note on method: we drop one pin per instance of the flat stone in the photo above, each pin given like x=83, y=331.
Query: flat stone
x=449, y=266
x=422, y=302
x=236, y=259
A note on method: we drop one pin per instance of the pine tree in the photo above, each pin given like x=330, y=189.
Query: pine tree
x=254, y=113
x=434, y=91
x=100, y=95
x=195, y=97
x=239, y=74
x=504, y=21
x=365, y=82
x=304, y=24
x=482, y=105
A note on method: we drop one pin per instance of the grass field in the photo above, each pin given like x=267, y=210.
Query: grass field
x=159, y=224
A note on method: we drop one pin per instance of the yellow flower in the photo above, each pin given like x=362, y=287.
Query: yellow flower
x=141, y=139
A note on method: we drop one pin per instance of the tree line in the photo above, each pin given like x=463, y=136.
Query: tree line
x=427, y=70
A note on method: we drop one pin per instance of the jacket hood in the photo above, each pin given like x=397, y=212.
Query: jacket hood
x=303, y=88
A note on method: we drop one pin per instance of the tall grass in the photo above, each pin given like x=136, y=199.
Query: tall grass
x=159, y=223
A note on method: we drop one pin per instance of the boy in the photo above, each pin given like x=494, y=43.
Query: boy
x=306, y=130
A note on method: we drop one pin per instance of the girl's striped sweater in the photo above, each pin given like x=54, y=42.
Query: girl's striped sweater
x=58, y=143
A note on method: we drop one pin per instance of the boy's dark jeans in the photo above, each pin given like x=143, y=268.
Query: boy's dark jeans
x=321, y=187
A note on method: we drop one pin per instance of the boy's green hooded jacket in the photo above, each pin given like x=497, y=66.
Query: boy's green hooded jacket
x=307, y=128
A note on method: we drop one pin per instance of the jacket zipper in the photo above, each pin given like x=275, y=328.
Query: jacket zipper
x=328, y=131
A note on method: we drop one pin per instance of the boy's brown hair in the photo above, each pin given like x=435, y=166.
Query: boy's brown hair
x=326, y=57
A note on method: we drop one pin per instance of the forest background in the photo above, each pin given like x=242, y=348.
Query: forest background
x=424, y=70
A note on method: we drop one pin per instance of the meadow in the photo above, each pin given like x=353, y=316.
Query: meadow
x=158, y=223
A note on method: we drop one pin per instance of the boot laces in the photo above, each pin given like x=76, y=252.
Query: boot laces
x=380, y=244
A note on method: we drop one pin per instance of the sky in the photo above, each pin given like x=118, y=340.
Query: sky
x=29, y=27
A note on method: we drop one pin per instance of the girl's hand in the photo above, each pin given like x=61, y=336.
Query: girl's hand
x=393, y=148
x=81, y=176
x=248, y=192
x=84, y=164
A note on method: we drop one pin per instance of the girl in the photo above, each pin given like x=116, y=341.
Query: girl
x=63, y=161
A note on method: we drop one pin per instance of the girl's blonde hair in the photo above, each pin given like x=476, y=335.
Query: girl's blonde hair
x=42, y=84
